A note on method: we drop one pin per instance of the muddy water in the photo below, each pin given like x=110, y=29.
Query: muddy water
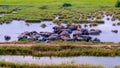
x=104, y=61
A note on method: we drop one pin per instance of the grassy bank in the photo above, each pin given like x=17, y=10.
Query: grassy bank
x=48, y=9
x=13, y=65
x=62, y=49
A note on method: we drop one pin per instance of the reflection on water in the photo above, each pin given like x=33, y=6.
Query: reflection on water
x=104, y=61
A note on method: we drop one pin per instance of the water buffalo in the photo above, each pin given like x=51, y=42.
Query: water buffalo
x=64, y=33
x=85, y=25
x=29, y=33
x=114, y=24
x=108, y=18
x=77, y=33
x=45, y=34
x=65, y=38
x=86, y=37
x=73, y=27
x=58, y=27
x=25, y=33
x=53, y=37
x=22, y=36
x=82, y=38
x=68, y=30
x=78, y=38
x=96, y=40
x=115, y=31
x=95, y=32
x=36, y=37
x=7, y=38
x=85, y=31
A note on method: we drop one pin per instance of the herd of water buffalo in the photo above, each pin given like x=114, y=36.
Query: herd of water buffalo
x=72, y=32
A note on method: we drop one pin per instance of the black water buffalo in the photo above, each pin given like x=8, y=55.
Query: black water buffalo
x=31, y=33
x=28, y=35
x=36, y=37
x=64, y=33
x=96, y=40
x=86, y=37
x=72, y=27
x=7, y=38
x=21, y=37
x=53, y=37
x=45, y=34
x=77, y=33
x=95, y=32
x=84, y=31
x=78, y=38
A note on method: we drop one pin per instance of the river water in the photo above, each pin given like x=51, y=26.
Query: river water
x=92, y=60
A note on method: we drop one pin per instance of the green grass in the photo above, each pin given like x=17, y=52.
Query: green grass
x=13, y=65
x=58, y=2
x=64, y=49
x=30, y=10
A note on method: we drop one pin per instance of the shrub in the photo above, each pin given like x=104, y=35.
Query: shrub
x=67, y=5
x=44, y=7
x=117, y=4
